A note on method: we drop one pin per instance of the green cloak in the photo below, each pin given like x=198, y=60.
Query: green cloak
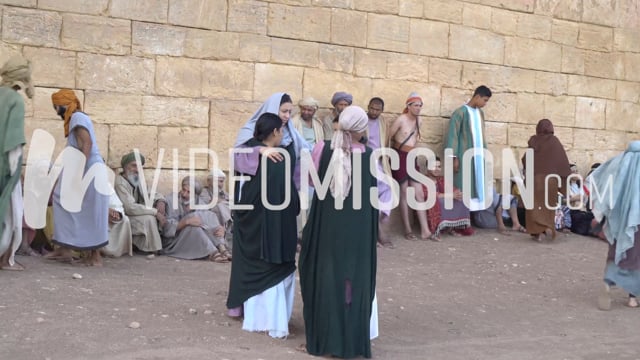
x=264, y=241
x=460, y=139
x=12, y=130
x=338, y=253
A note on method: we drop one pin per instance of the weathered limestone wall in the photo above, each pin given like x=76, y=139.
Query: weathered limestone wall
x=165, y=74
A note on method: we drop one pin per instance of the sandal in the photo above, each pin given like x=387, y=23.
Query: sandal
x=225, y=252
x=520, y=229
x=387, y=244
x=410, y=236
x=218, y=258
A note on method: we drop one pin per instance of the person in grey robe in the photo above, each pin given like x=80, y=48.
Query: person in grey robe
x=215, y=185
x=192, y=234
x=145, y=221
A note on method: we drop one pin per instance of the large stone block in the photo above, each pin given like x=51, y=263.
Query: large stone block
x=519, y=135
x=321, y=85
x=477, y=16
x=21, y=3
x=561, y=110
x=91, y=7
x=204, y=14
x=589, y=139
x=605, y=65
x=41, y=106
x=388, y=32
x=449, y=11
x=7, y=51
x=452, y=98
x=227, y=79
x=31, y=27
x=626, y=40
x=504, y=22
x=517, y=5
x=533, y=54
x=300, y=23
x=126, y=74
x=475, y=45
x=294, y=52
x=534, y=26
x=601, y=12
x=530, y=108
x=408, y=67
x=396, y=92
x=573, y=60
x=247, y=16
x=592, y=87
x=411, y=8
x=551, y=83
x=628, y=91
x=143, y=10
x=227, y=117
x=156, y=39
x=124, y=138
x=172, y=111
x=502, y=108
x=336, y=58
x=429, y=38
x=621, y=115
x=178, y=77
x=207, y=44
x=113, y=108
x=632, y=66
x=564, y=32
x=255, y=48
x=370, y=63
x=45, y=59
x=561, y=9
x=96, y=34
x=498, y=78
x=590, y=113
x=495, y=132
x=376, y=6
x=190, y=142
x=343, y=4
x=445, y=72
x=629, y=14
x=271, y=78
x=349, y=27
x=593, y=37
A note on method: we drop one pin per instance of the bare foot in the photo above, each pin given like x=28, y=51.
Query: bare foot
x=15, y=267
x=633, y=302
x=60, y=254
x=503, y=230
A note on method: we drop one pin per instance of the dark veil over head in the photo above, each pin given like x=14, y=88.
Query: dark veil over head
x=544, y=127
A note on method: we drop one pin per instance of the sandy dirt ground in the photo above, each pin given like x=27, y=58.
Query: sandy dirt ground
x=484, y=297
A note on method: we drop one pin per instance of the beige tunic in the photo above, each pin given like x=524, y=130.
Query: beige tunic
x=120, y=240
x=144, y=226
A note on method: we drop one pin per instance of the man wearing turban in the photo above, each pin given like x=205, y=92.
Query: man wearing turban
x=340, y=100
x=306, y=122
x=144, y=220
x=16, y=75
x=88, y=229
x=404, y=134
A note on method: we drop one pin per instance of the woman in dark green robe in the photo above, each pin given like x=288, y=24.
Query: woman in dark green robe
x=338, y=257
x=264, y=240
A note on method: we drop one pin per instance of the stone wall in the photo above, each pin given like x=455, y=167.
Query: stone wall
x=175, y=74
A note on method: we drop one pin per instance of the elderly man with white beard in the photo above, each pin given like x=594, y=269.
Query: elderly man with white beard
x=145, y=221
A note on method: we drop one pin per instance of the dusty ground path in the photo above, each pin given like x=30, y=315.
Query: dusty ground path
x=486, y=297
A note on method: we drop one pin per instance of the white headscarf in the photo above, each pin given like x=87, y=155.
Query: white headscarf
x=272, y=105
x=352, y=118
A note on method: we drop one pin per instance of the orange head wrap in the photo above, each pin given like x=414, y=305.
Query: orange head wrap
x=66, y=97
x=414, y=97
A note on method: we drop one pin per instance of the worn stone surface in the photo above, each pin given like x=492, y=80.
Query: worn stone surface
x=626, y=40
x=155, y=39
x=534, y=26
x=561, y=110
x=530, y=108
x=254, y=47
x=388, y=32
x=463, y=43
x=592, y=37
x=370, y=63
x=123, y=138
x=624, y=116
x=628, y=91
x=92, y=7
x=31, y=27
x=533, y=54
x=564, y=32
x=610, y=66
x=429, y=38
x=113, y=108
x=143, y=10
x=227, y=116
x=348, y=27
x=178, y=77
x=504, y=22
x=551, y=83
x=294, y=52
x=573, y=60
x=376, y=6
x=336, y=58
x=173, y=111
x=293, y=22
x=271, y=78
x=207, y=44
x=590, y=113
x=198, y=13
x=63, y=61
x=96, y=34
x=632, y=66
x=445, y=72
x=227, y=79
x=592, y=87
x=502, y=108
x=477, y=16
x=126, y=74
x=561, y=9
x=247, y=16
x=321, y=84
x=190, y=143
x=408, y=67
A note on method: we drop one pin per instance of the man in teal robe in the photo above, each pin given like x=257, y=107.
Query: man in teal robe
x=16, y=75
x=466, y=131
